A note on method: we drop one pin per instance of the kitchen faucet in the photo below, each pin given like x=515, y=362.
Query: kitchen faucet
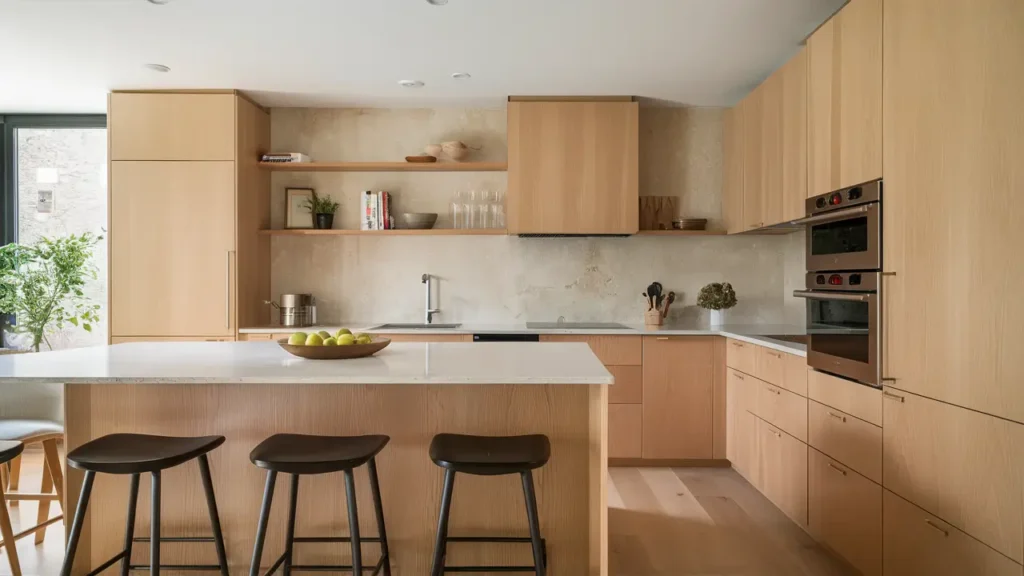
x=428, y=312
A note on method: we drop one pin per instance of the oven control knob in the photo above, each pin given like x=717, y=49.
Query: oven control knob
x=855, y=193
x=820, y=203
x=836, y=199
x=835, y=280
x=854, y=279
x=820, y=279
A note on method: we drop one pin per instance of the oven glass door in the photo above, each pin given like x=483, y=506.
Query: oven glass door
x=844, y=336
x=850, y=243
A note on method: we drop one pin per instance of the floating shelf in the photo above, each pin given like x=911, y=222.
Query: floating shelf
x=385, y=166
x=680, y=233
x=430, y=232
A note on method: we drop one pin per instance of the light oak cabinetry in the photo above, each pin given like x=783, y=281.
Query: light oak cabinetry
x=186, y=202
x=677, y=399
x=573, y=167
x=852, y=441
x=732, y=170
x=793, y=141
x=741, y=355
x=782, y=409
x=428, y=337
x=845, y=512
x=844, y=98
x=916, y=542
x=625, y=430
x=782, y=471
x=953, y=140
x=124, y=340
x=741, y=425
x=752, y=110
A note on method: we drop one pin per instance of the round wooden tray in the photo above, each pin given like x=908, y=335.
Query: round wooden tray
x=336, y=352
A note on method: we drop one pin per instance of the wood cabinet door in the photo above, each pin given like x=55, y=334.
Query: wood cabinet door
x=172, y=242
x=961, y=465
x=794, y=137
x=916, y=542
x=678, y=396
x=771, y=149
x=428, y=337
x=844, y=510
x=752, y=109
x=845, y=98
x=151, y=126
x=954, y=139
x=124, y=340
x=625, y=430
x=741, y=426
x=611, y=350
x=573, y=168
x=732, y=176
x=782, y=461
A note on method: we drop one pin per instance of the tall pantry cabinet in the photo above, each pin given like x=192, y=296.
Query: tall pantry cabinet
x=187, y=200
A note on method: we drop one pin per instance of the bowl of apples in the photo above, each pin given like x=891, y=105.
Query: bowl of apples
x=343, y=345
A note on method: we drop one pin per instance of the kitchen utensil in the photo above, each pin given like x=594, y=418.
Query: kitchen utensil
x=654, y=292
x=455, y=150
x=433, y=150
x=416, y=220
x=668, y=303
x=295, y=310
x=421, y=159
x=335, y=352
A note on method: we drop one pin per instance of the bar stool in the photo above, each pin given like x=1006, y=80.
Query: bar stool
x=8, y=451
x=301, y=454
x=136, y=454
x=489, y=456
x=45, y=433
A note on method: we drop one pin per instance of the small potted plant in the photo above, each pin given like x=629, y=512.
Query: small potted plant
x=323, y=209
x=716, y=297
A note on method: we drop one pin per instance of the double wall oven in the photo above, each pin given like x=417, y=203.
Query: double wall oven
x=844, y=263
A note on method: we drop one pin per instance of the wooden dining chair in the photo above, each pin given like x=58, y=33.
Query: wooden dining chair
x=29, y=433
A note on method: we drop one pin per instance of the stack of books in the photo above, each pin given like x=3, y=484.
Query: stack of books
x=375, y=211
x=285, y=157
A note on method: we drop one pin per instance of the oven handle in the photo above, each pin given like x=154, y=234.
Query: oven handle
x=832, y=216
x=832, y=296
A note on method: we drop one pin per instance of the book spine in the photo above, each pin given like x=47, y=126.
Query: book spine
x=364, y=211
x=387, y=210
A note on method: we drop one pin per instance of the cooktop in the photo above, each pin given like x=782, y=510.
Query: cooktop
x=576, y=326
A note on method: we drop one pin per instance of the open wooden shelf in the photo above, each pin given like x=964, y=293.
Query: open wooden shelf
x=430, y=232
x=385, y=166
x=680, y=233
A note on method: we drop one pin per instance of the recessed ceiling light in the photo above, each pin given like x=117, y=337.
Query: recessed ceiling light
x=159, y=2
x=461, y=75
x=411, y=83
x=157, y=67
x=437, y=2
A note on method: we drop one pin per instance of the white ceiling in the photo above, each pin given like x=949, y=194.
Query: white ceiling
x=65, y=55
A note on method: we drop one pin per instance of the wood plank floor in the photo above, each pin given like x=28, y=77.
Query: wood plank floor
x=662, y=522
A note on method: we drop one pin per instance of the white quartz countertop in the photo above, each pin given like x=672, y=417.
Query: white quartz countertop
x=267, y=363
x=753, y=333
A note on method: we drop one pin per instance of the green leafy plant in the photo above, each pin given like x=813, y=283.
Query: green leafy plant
x=42, y=285
x=717, y=296
x=321, y=204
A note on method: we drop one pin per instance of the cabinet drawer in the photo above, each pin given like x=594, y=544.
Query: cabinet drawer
x=741, y=425
x=861, y=401
x=743, y=388
x=794, y=374
x=782, y=409
x=963, y=466
x=172, y=126
x=852, y=441
x=625, y=429
x=769, y=365
x=610, y=350
x=628, y=387
x=126, y=339
x=428, y=337
x=742, y=356
x=844, y=510
x=783, y=471
x=255, y=337
x=915, y=542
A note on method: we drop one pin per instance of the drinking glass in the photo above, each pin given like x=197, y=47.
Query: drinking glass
x=456, y=210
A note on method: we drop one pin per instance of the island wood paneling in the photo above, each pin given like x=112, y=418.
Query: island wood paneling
x=570, y=488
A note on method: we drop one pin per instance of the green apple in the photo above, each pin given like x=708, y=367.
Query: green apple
x=314, y=340
x=297, y=339
x=362, y=335
x=343, y=331
x=364, y=339
x=324, y=334
x=346, y=340
x=332, y=341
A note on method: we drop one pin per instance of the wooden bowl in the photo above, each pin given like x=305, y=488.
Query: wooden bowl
x=335, y=352
x=421, y=159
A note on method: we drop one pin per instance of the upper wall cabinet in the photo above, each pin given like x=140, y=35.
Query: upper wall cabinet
x=572, y=167
x=794, y=137
x=148, y=126
x=845, y=98
x=732, y=177
x=953, y=143
x=752, y=110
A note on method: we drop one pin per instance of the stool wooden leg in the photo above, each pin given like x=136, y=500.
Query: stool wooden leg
x=129, y=528
x=261, y=528
x=7, y=533
x=56, y=471
x=43, y=512
x=378, y=509
x=531, y=516
x=5, y=475
x=14, y=476
x=441, y=545
x=211, y=503
x=154, y=527
x=289, y=542
x=353, y=523
x=76, y=525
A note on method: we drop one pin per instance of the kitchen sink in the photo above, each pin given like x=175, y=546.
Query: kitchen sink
x=416, y=327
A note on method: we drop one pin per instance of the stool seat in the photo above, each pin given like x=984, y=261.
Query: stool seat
x=306, y=454
x=10, y=450
x=26, y=429
x=490, y=455
x=138, y=453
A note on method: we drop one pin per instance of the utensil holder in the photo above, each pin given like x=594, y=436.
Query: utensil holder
x=653, y=318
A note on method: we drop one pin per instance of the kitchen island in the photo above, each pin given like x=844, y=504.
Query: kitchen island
x=247, y=391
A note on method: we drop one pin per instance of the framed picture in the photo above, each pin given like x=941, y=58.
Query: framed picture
x=297, y=212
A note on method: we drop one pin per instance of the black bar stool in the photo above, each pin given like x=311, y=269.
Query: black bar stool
x=301, y=454
x=490, y=456
x=8, y=451
x=136, y=454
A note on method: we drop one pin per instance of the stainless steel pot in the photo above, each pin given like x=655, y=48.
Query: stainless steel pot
x=296, y=310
